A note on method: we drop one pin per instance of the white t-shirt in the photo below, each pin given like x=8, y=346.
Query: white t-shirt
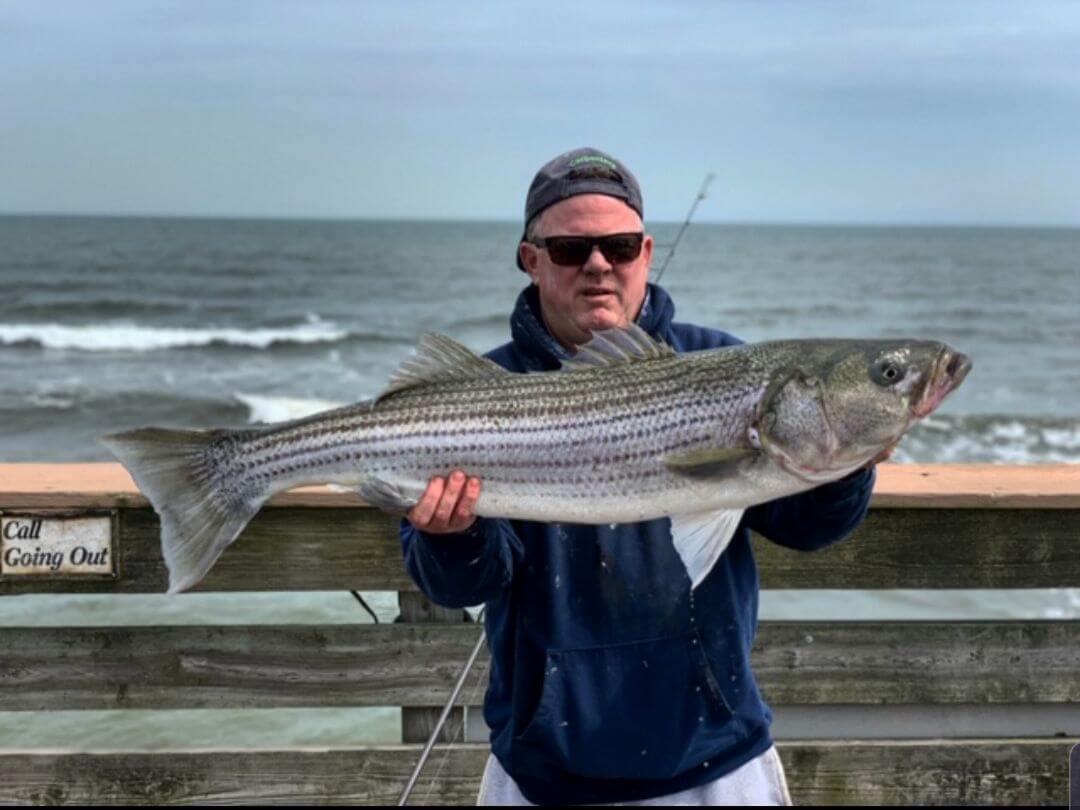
x=760, y=782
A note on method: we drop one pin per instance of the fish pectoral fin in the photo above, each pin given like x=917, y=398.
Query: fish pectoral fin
x=386, y=495
x=701, y=537
x=718, y=462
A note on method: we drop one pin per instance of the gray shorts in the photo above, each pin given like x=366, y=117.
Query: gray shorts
x=760, y=782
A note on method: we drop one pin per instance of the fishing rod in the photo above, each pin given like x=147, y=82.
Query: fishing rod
x=701, y=195
x=463, y=676
x=445, y=713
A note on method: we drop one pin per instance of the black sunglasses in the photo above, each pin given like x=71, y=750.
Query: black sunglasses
x=618, y=248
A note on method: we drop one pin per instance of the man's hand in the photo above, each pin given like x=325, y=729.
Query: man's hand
x=447, y=504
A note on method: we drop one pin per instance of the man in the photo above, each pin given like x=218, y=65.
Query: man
x=611, y=681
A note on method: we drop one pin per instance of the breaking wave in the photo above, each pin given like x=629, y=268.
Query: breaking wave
x=128, y=337
x=278, y=409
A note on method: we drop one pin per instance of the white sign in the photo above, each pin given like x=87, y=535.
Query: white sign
x=56, y=545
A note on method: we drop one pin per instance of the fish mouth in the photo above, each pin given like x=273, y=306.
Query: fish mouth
x=949, y=370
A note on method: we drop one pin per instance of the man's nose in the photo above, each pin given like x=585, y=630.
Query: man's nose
x=597, y=262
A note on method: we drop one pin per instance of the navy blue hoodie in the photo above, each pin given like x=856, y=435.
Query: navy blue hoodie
x=611, y=681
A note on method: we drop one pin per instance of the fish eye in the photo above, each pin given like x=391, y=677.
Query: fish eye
x=887, y=372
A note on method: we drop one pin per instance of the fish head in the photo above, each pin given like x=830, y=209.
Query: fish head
x=842, y=403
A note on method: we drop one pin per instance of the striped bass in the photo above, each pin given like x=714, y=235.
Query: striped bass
x=627, y=431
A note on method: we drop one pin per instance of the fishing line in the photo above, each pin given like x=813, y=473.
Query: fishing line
x=480, y=677
x=701, y=195
x=445, y=714
x=366, y=606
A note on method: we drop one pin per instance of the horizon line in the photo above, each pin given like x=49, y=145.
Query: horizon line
x=486, y=220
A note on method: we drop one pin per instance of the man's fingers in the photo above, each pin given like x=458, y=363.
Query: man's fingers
x=449, y=499
x=469, y=497
x=421, y=514
x=447, y=504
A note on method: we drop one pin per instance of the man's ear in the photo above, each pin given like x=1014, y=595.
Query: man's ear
x=530, y=257
x=647, y=249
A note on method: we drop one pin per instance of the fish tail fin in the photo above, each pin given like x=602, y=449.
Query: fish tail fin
x=186, y=476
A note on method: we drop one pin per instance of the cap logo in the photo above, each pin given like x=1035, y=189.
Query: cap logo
x=575, y=162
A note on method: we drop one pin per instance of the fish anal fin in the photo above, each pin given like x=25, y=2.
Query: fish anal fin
x=701, y=537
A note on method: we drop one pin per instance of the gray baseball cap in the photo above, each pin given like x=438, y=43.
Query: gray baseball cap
x=580, y=171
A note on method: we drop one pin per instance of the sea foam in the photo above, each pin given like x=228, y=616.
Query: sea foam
x=992, y=438
x=128, y=337
x=278, y=409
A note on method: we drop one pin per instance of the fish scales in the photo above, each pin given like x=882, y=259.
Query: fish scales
x=636, y=418
x=569, y=432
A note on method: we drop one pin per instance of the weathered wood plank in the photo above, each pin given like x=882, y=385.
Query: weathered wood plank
x=939, y=486
x=350, y=549
x=285, y=549
x=367, y=775
x=225, y=666
x=883, y=663
x=938, y=548
x=933, y=772
x=891, y=663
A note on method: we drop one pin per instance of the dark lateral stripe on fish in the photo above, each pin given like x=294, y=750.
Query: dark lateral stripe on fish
x=480, y=430
x=399, y=428
x=547, y=419
x=397, y=444
x=569, y=416
x=481, y=455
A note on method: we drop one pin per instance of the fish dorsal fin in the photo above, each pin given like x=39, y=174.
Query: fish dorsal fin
x=438, y=359
x=614, y=347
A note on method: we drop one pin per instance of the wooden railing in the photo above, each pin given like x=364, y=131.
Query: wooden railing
x=890, y=712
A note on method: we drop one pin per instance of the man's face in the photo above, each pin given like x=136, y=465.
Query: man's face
x=578, y=300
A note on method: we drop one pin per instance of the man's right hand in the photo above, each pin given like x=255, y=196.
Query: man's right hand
x=446, y=507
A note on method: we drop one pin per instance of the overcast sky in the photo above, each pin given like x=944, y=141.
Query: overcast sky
x=900, y=111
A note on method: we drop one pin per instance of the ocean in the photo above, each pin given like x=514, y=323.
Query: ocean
x=112, y=323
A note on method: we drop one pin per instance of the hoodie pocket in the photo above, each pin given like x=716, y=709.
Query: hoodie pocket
x=626, y=710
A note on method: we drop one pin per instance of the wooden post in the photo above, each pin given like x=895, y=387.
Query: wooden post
x=417, y=723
